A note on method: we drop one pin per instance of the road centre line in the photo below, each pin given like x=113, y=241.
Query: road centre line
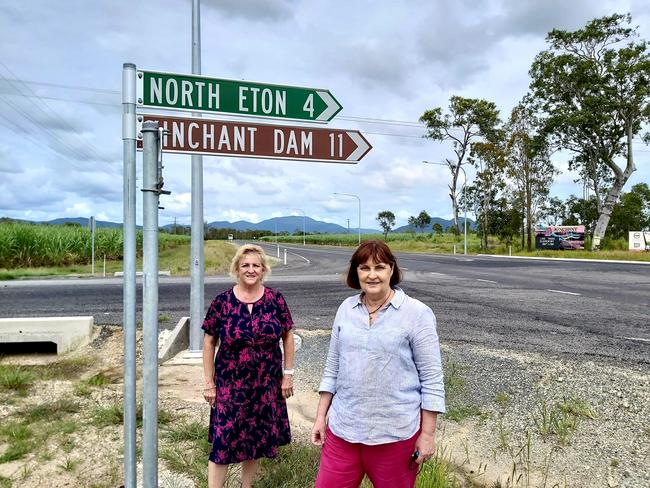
x=486, y=281
x=564, y=292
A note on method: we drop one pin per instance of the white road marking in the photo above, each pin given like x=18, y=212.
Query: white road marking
x=639, y=339
x=565, y=292
x=485, y=281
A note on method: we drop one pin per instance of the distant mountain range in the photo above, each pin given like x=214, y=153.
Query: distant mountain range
x=289, y=224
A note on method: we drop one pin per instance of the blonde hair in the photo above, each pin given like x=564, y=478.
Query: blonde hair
x=250, y=249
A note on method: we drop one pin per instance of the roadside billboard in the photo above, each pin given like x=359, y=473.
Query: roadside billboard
x=560, y=237
x=639, y=240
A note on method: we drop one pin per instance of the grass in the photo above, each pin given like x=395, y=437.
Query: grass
x=16, y=378
x=184, y=449
x=20, y=378
x=69, y=464
x=98, y=379
x=217, y=257
x=65, y=368
x=503, y=436
x=462, y=412
x=105, y=416
x=38, y=423
x=20, y=440
x=561, y=419
x=51, y=411
x=295, y=467
x=455, y=386
x=501, y=399
x=174, y=256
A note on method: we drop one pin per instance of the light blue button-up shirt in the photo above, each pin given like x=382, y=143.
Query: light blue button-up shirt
x=381, y=375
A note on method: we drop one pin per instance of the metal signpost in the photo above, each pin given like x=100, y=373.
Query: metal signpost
x=243, y=139
x=128, y=266
x=173, y=91
x=151, y=191
x=197, y=293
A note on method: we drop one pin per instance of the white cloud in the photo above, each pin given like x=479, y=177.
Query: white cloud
x=381, y=60
x=233, y=215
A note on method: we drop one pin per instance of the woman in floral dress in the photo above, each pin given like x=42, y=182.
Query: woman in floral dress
x=245, y=384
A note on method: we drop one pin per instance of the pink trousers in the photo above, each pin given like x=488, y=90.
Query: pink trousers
x=343, y=464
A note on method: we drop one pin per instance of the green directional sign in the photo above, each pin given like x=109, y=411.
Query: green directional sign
x=213, y=95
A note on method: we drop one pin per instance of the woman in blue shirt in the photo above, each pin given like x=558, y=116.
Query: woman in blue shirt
x=382, y=385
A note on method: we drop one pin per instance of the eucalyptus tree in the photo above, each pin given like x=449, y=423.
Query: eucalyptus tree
x=489, y=160
x=423, y=220
x=554, y=211
x=594, y=85
x=631, y=213
x=528, y=164
x=467, y=121
x=386, y=220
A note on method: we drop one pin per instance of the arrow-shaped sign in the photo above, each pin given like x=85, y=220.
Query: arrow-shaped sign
x=227, y=138
x=202, y=94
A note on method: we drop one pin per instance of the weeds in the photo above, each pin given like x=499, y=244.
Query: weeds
x=66, y=368
x=577, y=407
x=16, y=378
x=460, y=413
x=69, y=464
x=17, y=449
x=50, y=411
x=20, y=441
x=114, y=415
x=561, y=419
x=503, y=435
x=501, y=399
x=81, y=389
x=454, y=379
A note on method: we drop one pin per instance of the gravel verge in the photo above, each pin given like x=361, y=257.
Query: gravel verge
x=504, y=398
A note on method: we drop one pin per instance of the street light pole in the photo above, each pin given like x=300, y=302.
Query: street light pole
x=359, y=201
x=464, y=198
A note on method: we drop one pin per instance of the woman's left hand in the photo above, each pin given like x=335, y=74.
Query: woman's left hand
x=426, y=446
x=287, y=386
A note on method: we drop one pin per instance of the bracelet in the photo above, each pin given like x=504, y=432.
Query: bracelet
x=209, y=388
x=289, y=371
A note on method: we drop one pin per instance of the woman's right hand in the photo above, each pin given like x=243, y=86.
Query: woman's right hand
x=318, y=432
x=210, y=395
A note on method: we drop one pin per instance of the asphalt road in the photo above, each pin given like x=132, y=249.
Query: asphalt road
x=595, y=310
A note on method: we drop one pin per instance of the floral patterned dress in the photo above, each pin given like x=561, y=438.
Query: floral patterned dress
x=250, y=418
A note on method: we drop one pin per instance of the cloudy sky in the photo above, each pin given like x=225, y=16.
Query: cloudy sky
x=386, y=62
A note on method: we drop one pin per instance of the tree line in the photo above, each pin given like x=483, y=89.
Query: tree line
x=589, y=96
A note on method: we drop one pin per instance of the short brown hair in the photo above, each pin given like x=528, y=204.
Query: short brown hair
x=379, y=252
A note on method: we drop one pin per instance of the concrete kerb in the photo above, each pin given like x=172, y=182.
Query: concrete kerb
x=67, y=333
x=120, y=274
x=172, y=345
